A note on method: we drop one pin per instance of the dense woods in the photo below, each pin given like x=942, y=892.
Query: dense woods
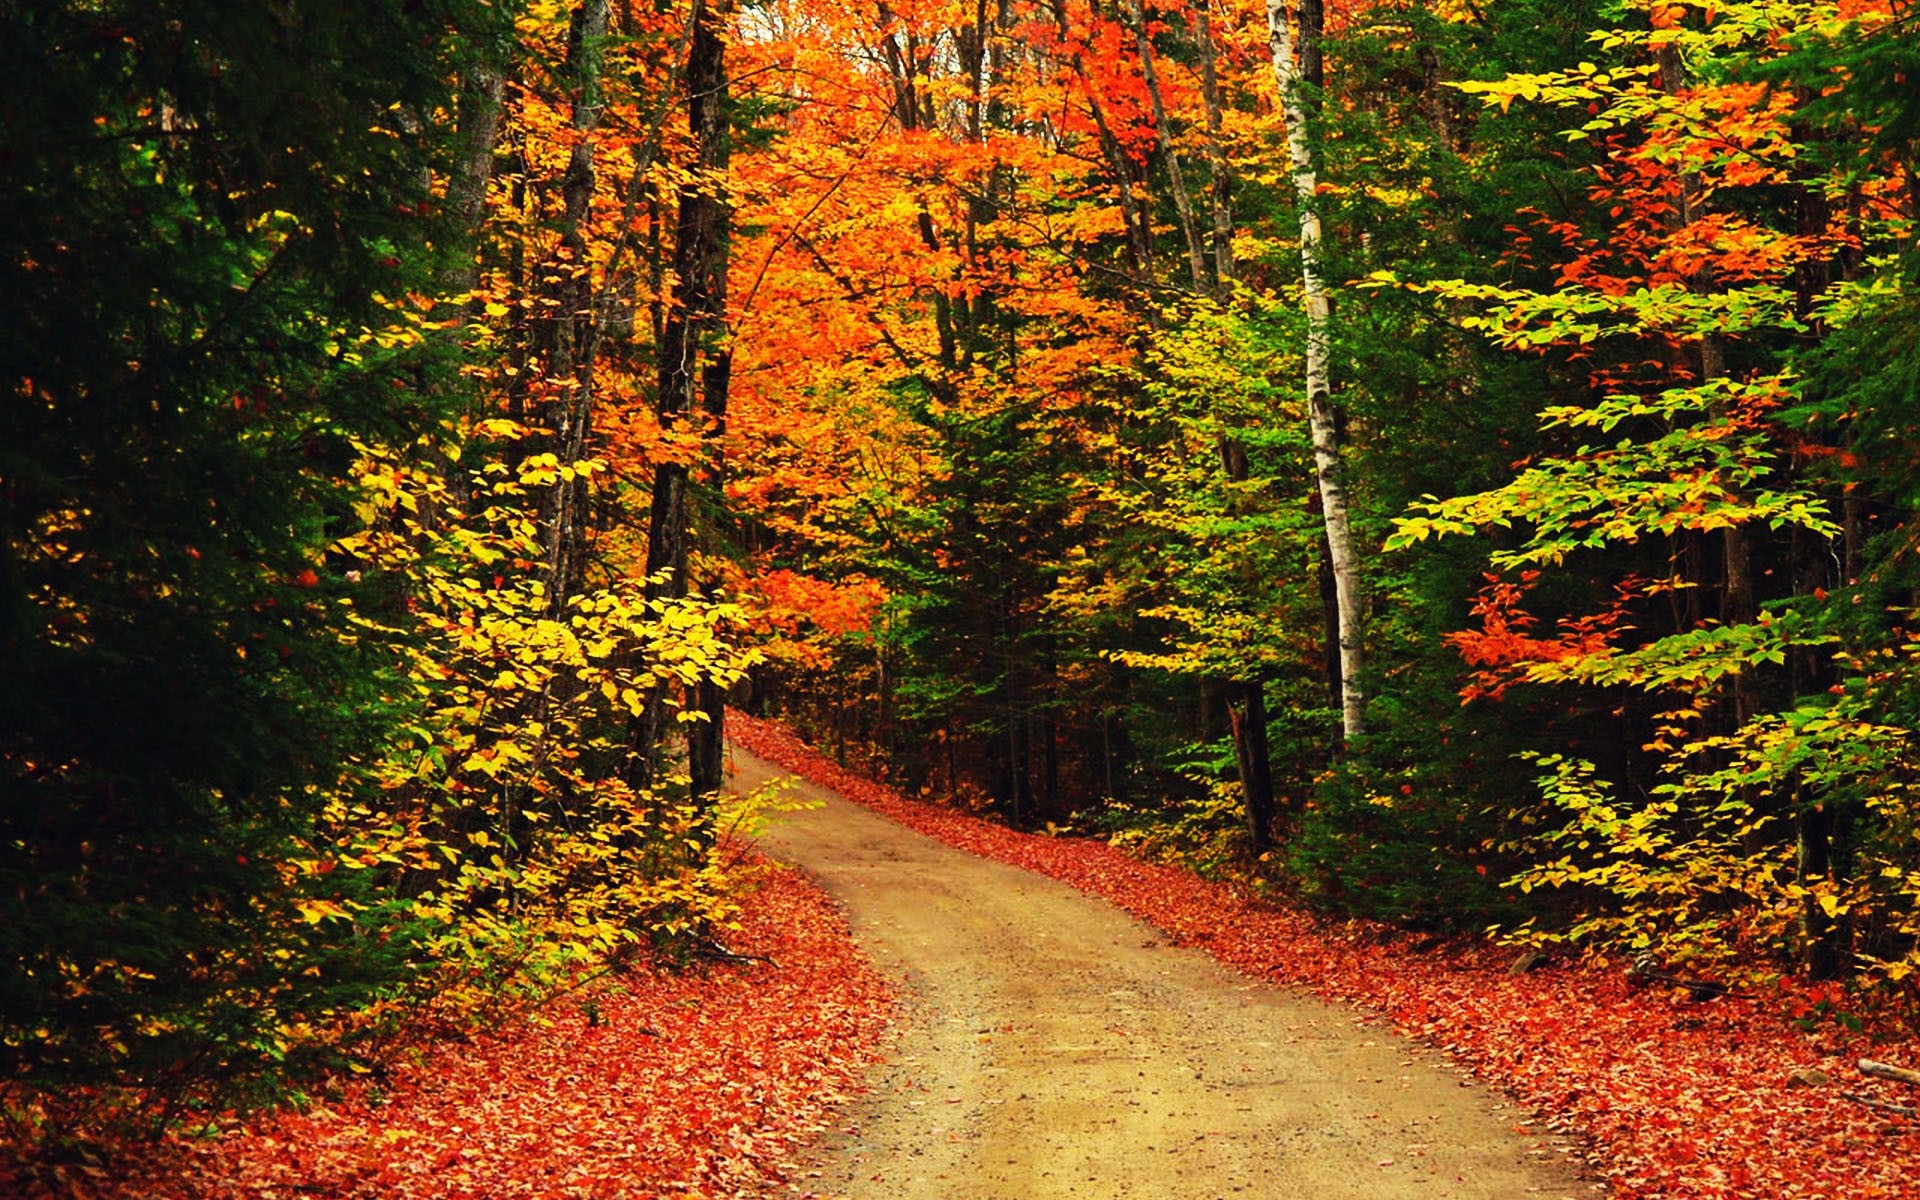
x=1449, y=463
x=1445, y=460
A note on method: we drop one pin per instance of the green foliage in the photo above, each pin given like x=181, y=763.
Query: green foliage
x=1702, y=872
x=1224, y=551
x=1410, y=833
x=1756, y=807
x=1403, y=853
x=1706, y=465
x=974, y=664
x=1204, y=832
x=1682, y=880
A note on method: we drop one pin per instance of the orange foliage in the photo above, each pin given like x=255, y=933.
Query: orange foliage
x=803, y=617
x=1504, y=646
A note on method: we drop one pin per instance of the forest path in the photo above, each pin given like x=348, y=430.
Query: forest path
x=1053, y=1046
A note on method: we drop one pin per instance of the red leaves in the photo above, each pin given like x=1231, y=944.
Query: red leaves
x=1676, y=1100
x=794, y=600
x=1503, y=646
x=700, y=1083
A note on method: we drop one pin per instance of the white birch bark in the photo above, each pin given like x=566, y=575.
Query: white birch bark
x=1320, y=415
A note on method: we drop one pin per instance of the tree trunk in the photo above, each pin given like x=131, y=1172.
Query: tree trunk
x=573, y=340
x=706, y=739
x=1163, y=131
x=1330, y=624
x=1823, y=938
x=1246, y=699
x=1247, y=708
x=1322, y=421
x=1049, y=729
x=694, y=375
x=1221, y=180
x=1313, y=23
x=481, y=98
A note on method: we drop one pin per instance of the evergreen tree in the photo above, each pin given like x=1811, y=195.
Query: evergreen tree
x=213, y=214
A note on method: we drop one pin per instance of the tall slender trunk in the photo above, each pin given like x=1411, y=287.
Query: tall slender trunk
x=562, y=342
x=910, y=109
x=574, y=333
x=706, y=739
x=1219, y=193
x=694, y=374
x=1163, y=132
x=1247, y=706
x=1322, y=421
x=1820, y=828
x=1016, y=775
x=698, y=307
x=1329, y=622
x=1049, y=728
x=1246, y=698
x=482, y=97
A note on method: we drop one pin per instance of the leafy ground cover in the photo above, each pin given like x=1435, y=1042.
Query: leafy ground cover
x=1674, y=1099
x=694, y=1083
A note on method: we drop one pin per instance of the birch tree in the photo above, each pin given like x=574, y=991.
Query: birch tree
x=1327, y=461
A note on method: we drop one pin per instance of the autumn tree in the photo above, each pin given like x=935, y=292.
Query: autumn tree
x=326, y=649
x=1690, y=327
x=907, y=231
x=1293, y=46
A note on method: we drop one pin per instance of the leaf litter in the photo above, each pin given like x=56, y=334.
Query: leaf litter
x=697, y=1083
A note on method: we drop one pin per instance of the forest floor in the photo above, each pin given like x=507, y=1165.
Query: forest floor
x=1664, y=1097
x=701, y=1083
x=1046, y=1045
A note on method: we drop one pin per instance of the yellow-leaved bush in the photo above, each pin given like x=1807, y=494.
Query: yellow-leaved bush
x=513, y=849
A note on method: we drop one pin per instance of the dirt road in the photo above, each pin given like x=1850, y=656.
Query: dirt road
x=1055, y=1047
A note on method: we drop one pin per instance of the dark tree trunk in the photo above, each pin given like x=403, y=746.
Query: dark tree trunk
x=1247, y=707
x=572, y=340
x=481, y=97
x=1220, y=192
x=1825, y=942
x=1132, y=218
x=694, y=370
x=1176, y=175
x=1313, y=28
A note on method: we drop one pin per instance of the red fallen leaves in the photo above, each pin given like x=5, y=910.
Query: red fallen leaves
x=696, y=1084
x=1674, y=1100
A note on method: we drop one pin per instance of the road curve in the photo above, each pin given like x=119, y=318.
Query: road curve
x=1053, y=1047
